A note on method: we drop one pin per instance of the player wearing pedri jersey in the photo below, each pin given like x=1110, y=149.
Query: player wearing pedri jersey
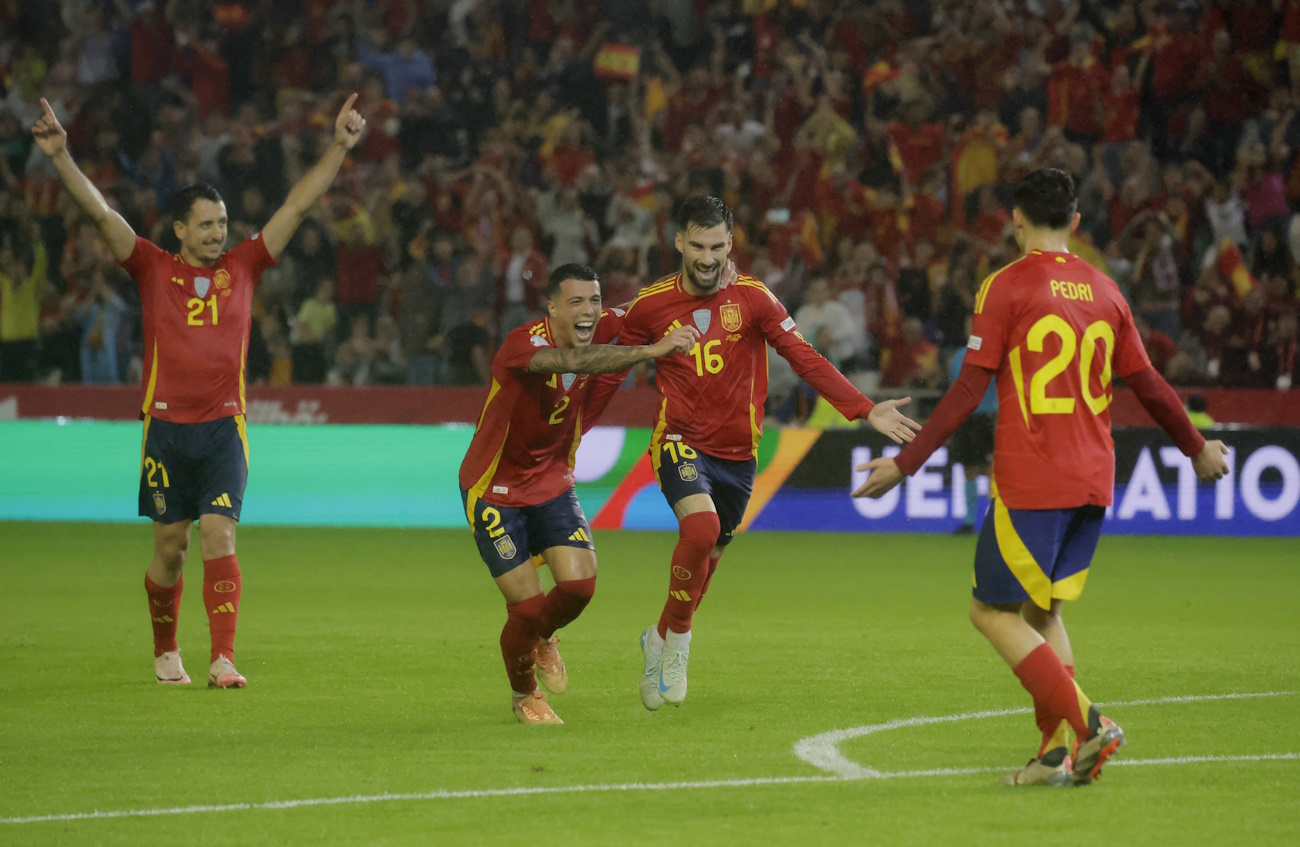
x=1053, y=331
x=197, y=317
x=517, y=477
x=711, y=417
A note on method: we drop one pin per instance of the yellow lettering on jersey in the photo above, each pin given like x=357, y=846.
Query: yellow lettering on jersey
x=1072, y=290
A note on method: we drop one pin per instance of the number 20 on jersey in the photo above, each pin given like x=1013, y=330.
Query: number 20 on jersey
x=1038, y=401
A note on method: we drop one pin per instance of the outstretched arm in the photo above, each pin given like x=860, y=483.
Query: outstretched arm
x=609, y=358
x=52, y=138
x=304, y=194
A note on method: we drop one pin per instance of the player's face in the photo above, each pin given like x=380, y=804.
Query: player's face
x=203, y=235
x=574, y=310
x=704, y=252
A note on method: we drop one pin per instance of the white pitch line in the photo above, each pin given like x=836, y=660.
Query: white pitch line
x=823, y=751
x=860, y=774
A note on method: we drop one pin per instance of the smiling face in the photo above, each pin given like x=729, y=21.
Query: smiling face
x=203, y=233
x=704, y=251
x=574, y=309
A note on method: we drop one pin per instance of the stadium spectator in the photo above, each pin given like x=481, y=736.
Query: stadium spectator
x=487, y=119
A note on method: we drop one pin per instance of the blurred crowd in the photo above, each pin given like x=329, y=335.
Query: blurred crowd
x=867, y=148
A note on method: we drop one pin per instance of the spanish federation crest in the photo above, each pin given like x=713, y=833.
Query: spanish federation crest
x=702, y=318
x=505, y=547
x=567, y=380
x=730, y=314
x=222, y=280
x=159, y=502
x=201, y=284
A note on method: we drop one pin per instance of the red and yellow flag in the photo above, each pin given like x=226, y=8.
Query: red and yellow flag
x=618, y=61
x=1233, y=267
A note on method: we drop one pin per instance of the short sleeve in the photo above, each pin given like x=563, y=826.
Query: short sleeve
x=143, y=256
x=610, y=326
x=251, y=254
x=633, y=325
x=1130, y=354
x=518, y=350
x=988, y=335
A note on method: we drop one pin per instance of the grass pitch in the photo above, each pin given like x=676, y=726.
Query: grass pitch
x=374, y=670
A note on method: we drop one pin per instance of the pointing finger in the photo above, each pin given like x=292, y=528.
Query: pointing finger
x=347, y=106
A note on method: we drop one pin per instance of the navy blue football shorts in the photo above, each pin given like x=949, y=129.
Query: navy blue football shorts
x=507, y=537
x=682, y=471
x=1035, y=554
x=193, y=469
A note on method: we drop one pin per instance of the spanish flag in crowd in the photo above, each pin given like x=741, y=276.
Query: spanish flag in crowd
x=618, y=61
x=1233, y=267
x=877, y=75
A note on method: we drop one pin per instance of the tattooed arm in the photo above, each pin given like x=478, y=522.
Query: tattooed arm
x=609, y=358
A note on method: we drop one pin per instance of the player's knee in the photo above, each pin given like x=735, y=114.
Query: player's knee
x=217, y=538
x=578, y=591
x=700, y=529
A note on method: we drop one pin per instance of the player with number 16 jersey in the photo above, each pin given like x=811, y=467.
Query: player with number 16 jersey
x=711, y=416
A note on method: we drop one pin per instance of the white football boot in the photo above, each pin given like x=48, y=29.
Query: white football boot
x=652, y=648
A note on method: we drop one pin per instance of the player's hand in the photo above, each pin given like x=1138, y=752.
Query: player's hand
x=680, y=340
x=1210, y=463
x=50, y=135
x=884, y=476
x=349, y=125
x=887, y=420
x=730, y=273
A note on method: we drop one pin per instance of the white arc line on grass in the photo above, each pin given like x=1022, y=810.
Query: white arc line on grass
x=823, y=751
x=838, y=735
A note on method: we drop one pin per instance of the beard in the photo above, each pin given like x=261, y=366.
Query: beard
x=709, y=284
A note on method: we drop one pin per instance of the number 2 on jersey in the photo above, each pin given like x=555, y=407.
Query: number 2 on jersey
x=1039, y=401
x=196, y=307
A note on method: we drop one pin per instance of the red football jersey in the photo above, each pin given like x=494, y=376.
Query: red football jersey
x=713, y=397
x=528, y=432
x=196, y=327
x=1057, y=331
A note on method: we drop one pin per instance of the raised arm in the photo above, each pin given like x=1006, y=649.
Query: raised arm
x=610, y=358
x=52, y=138
x=306, y=191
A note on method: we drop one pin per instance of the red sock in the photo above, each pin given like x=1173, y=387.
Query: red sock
x=1045, y=678
x=519, y=640
x=165, y=610
x=1048, y=723
x=708, y=580
x=564, y=603
x=221, y=589
x=696, y=536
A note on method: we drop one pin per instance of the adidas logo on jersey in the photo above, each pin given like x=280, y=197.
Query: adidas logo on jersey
x=224, y=607
x=580, y=535
x=223, y=500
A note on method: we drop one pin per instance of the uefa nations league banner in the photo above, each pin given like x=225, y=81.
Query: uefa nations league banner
x=406, y=476
x=1156, y=492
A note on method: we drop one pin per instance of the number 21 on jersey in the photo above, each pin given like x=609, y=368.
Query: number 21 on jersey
x=1038, y=401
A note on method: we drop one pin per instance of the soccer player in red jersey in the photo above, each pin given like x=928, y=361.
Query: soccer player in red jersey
x=711, y=416
x=517, y=477
x=197, y=311
x=1054, y=331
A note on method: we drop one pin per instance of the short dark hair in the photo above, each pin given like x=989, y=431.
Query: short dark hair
x=1047, y=198
x=705, y=212
x=572, y=270
x=185, y=199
